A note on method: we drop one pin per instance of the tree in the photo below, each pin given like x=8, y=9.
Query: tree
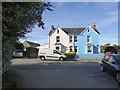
x=108, y=44
x=117, y=47
x=102, y=47
x=110, y=49
x=19, y=45
x=18, y=19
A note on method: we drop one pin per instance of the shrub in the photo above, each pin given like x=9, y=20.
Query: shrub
x=70, y=54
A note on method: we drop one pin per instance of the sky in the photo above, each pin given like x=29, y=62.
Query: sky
x=79, y=14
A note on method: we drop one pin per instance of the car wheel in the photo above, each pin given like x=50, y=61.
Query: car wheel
x=42, y=58
x=102, y=68
x=61, y=58
x=118, y=76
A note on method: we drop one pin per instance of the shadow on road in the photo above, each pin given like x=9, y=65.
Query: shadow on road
x=63, y=75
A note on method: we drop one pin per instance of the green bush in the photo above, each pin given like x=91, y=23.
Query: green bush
x=7, y=50
x=70, y=54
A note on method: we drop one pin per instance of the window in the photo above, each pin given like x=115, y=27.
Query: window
x=89, y=49
x=57, y=48
x=111, y=59
x=57, y=38
x=88, y=30
x=70, y=48
x=106, y=57
x=88, y=38
x=75, y=48
x=56, y=52
x=57, y=31
x=70, y=38
x=75, y=38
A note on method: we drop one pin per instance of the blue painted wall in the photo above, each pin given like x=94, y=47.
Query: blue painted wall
x=89, y=56
x=82, y=42
x=95, y=41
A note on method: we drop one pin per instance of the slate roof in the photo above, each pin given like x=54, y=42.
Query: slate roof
x=32, y=43
x=50, y=32
x=73, y=30
x=96, y=30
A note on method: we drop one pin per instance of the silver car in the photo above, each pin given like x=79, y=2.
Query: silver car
x=18, y=53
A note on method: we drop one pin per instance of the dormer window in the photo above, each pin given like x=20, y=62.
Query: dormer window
x=57, y=31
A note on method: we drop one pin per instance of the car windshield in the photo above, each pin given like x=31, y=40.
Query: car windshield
x=117, y=58
x=18, y=50
x=57, y=52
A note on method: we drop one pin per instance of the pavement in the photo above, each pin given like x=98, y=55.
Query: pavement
x=34, y=73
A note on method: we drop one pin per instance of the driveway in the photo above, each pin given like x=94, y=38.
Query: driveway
x=61, y=74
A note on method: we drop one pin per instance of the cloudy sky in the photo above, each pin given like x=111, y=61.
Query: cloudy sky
x=80, y=14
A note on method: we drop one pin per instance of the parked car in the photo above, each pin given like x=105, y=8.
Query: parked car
x=111, y=64
x=50, y=54
x=18, y=53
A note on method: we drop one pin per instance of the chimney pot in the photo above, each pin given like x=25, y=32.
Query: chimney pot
x=94, y=25
x=52, y=27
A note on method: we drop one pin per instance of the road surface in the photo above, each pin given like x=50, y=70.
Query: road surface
x=62, y=74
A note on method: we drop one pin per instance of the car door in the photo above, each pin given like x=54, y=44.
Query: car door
x=112, y=64
x=53, y=55
x=106, y=62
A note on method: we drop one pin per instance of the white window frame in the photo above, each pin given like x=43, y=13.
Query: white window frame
x=76, y=48
x=70, y=49
x=57, y=39
x=56, y=47
x=70, y=39
x=89, y=39
x=76, y=38
x=88, y=48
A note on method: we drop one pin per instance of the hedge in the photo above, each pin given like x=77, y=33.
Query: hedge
x=70, y=54
x=7, y=52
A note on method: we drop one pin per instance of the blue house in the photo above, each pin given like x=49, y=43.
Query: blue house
x=80, y=40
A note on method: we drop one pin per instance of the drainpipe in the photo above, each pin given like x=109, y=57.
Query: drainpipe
x=49, y=42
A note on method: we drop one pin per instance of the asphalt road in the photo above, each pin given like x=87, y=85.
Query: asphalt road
x=63, y=75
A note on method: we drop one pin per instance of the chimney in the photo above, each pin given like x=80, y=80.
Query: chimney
x=52, y=28
x=94, y=26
